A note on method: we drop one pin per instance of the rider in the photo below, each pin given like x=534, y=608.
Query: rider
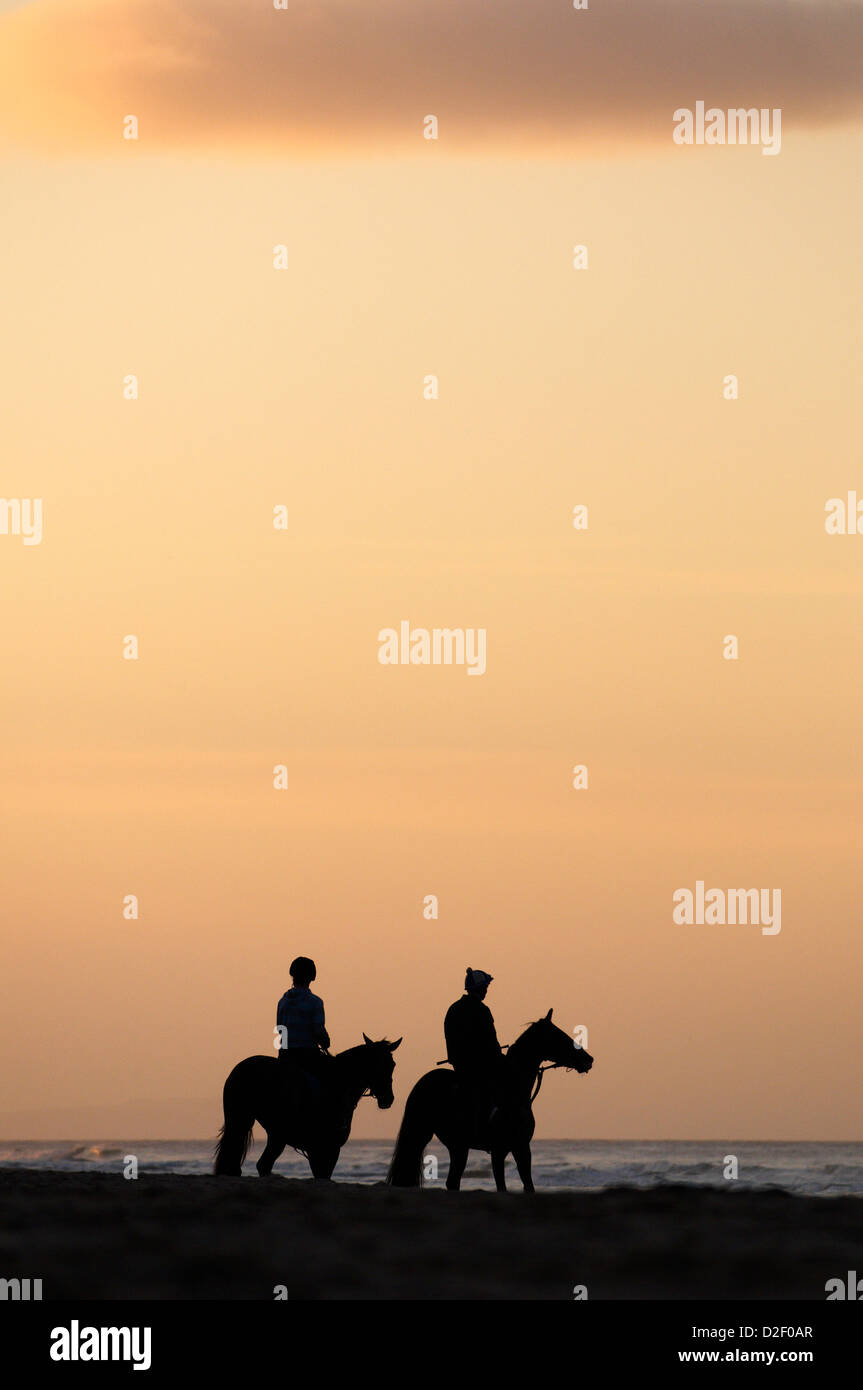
x=300, y=1019
x=473, y=1048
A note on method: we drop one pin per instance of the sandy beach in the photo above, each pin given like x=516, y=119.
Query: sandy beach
x=98, y=1236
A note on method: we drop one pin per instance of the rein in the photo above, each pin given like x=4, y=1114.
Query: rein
x=541, y=1070
x=552, y=1066
x=537, y=1085
x=366, y=1090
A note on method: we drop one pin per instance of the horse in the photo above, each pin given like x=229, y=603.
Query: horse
x=294, y=1111
x=433, y=1108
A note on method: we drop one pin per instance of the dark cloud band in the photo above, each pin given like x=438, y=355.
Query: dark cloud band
x=359, y=74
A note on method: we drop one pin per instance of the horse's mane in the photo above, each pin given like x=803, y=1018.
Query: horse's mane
x=360, y=1047
x=524, y=1037
x=529, y=1027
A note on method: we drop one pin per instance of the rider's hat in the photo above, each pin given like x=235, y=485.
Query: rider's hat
x=476, y=980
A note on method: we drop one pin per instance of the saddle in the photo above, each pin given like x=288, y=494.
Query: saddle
x=323, y=1101
x=481, y=1108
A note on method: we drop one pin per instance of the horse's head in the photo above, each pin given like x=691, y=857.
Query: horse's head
x=379, y=1067
x=558, y=1047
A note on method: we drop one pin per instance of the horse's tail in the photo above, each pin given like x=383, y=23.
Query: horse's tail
x=235, y=1136
x=417, y=1128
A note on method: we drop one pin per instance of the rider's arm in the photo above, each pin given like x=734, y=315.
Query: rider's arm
x=494, y=1045
x=322, y=1037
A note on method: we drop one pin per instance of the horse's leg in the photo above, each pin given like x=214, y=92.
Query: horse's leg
x=498, y=1167
x=273, y=1150
x=457, y=1163
x=323, y=1159
x=521, y=1154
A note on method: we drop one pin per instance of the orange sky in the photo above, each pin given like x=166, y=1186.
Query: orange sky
x=259, y=647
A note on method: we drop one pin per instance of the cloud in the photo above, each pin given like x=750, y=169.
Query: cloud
x=358, y=76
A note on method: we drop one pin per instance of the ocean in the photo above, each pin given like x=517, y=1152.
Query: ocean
x=814, y=1169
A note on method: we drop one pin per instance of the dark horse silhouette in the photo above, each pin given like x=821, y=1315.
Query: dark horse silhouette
x=433, y=1107
x=292, y=1110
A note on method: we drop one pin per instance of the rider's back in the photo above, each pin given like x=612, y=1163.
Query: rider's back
x=301, y=1014
x=470, y=1034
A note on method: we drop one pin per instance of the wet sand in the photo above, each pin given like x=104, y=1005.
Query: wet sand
x=97, y=1236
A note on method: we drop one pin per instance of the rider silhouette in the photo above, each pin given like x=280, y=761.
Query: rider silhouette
x=473, y=1048
x=300, y=1016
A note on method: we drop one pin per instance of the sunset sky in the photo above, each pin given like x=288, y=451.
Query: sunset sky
x=257, y=387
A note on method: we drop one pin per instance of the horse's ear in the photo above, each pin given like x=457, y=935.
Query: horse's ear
x=548, y=1015
x=396, y=1044
x=367, y=1039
